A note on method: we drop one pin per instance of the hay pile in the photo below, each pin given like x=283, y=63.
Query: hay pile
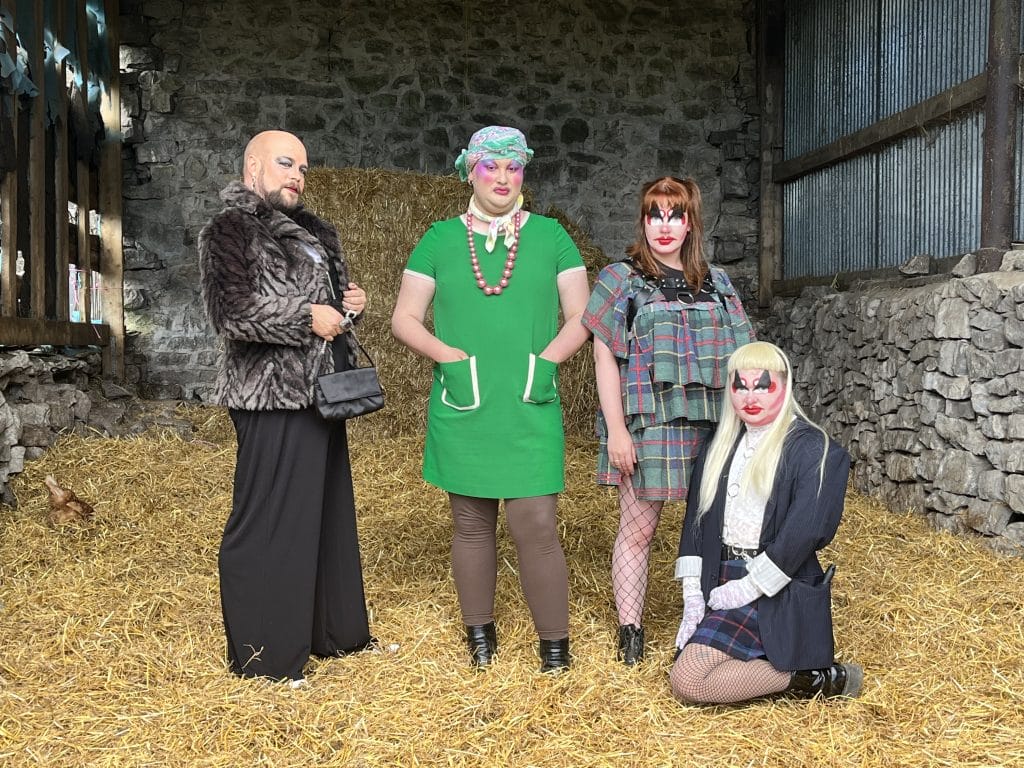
x=111, y=647
x=381, y=215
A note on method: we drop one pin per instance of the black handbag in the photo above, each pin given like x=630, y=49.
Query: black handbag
x=347, y=394
x=353, y=392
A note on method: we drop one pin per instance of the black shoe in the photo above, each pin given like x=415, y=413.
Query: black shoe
x=837, y=680
x=554, y=655
x=631, y=644
x=482, y=640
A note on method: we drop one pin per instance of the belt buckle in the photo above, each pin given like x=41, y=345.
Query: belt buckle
x=738, y=553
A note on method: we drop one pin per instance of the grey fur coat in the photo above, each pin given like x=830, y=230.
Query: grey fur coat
x=261, y=271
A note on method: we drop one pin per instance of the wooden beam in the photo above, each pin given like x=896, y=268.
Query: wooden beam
x=110, y=204
x=33, y=332
x=9, y=203
x=61, y=169
x=771, y=52
x=1000, y=136
x=37, y=172
x=888, y=276
x=946, y=103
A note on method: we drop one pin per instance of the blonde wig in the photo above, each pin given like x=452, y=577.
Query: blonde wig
x=760, y=472
x=668, y=192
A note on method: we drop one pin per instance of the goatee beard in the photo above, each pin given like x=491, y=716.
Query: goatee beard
x=276, y=200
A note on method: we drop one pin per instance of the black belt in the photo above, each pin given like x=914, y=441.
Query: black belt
x=730, y=552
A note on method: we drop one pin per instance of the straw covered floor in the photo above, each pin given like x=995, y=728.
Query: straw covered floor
x=111, y=644
x=112, y=647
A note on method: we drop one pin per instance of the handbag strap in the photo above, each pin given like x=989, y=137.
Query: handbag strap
x=359, y=348
x=331, y=278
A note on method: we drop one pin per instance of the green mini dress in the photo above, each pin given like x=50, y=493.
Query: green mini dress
x=494, y=423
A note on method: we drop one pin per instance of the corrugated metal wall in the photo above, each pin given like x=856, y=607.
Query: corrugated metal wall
x=929, y=193
x=849, y=65
x=831, y=71
x=927, y=46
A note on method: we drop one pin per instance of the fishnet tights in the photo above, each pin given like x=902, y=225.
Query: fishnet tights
x=638, y=520
x=706, y=675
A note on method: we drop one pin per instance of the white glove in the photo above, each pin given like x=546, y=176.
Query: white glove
x=734, y=594
x=693, y=611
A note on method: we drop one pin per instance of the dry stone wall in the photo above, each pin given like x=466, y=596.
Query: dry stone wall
x=925, y=385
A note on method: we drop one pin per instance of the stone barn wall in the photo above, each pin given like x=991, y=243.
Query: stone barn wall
x=925, y=385
x=609, y=93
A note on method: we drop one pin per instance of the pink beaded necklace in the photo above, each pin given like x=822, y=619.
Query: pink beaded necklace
x=510, y=259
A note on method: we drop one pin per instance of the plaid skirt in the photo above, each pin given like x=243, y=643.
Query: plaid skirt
x=665, y=453
x=733, y=631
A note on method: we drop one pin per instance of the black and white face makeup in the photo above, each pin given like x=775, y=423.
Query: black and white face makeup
x=666, y=228
x=757, y=395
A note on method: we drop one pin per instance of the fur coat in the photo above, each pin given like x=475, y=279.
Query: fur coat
x=261, y=271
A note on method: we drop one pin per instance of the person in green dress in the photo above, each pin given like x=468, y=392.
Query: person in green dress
x=496, y=277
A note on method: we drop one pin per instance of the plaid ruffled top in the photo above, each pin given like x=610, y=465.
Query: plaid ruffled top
x=672, y=363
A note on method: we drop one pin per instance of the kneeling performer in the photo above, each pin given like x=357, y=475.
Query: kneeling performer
x=766, y=494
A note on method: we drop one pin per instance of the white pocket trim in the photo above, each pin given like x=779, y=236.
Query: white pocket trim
x=529, y=382
x=476, y=389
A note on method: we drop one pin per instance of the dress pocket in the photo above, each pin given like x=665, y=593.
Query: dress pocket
x=540, y=381
x=460, y=388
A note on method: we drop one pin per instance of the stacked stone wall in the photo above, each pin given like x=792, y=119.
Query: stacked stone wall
x=610, y=94
x=47, y=392
x=40, y=396
x=925, y=385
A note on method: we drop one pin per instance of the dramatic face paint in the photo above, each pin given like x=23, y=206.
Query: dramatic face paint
x=282, y=176
x=666, y=229
x=757, y=396
x=496, y=184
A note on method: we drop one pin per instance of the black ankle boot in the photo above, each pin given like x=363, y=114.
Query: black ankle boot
x=631, y=644
x=483, y=643
x=554, y=655
x=837, y=680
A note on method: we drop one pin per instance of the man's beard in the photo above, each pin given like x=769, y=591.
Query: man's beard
x=276, y=200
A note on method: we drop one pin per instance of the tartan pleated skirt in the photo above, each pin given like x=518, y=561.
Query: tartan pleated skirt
x=734, y=631
x=665, y=454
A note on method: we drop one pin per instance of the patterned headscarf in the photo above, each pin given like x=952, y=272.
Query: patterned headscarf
x=495, y=141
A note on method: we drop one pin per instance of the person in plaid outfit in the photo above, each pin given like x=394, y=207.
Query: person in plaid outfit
x=664, y=322
x=767, y=493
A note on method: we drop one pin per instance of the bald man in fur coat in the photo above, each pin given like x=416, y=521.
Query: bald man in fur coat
x=290, y=574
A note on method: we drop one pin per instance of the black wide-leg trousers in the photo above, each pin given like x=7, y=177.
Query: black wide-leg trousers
x=291, y=580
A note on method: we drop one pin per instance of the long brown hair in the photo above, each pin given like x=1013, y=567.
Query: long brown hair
x=668, y=192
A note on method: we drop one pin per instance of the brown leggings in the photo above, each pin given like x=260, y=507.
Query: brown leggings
x=542, y=571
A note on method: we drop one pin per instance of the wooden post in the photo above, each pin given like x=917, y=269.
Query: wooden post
x=37, y=172
x=1000, y=137
x=83, y=183
x=771, y=53
x=110, y=204
x=9, y=204
x=61, y=169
